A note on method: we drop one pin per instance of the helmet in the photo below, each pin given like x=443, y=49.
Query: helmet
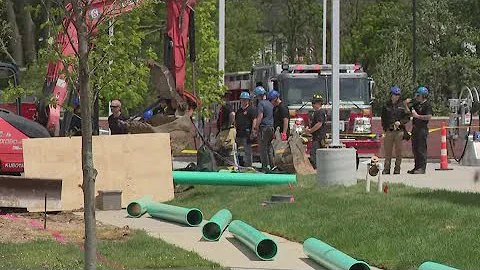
x=259, y=91
x=395, y=90
x=244, y=95
x=273, y=94
x=147, y=114
x=422, y=91
x=317, y=98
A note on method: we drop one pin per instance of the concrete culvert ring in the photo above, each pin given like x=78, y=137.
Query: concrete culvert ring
x=211, y=231
x=134, y=209
x=267, y=249
x=359, y=266
x=194, y=217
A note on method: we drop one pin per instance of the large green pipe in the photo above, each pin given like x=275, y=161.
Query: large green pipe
x=329, y=257
x=234, y=179
x=138, y=208
x=434, y=266
x=264, y=247
x=189, y=216
x=213, y=229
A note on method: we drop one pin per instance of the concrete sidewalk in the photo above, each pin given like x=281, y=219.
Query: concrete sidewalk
x=460, y=178
x=227, y=252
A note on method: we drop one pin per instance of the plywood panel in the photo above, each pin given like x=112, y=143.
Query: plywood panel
x=138, y=164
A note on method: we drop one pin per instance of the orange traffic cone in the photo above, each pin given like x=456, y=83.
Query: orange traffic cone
x=443, y=150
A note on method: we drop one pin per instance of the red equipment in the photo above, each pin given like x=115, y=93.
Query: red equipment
x=177, y=35
x=179, y=26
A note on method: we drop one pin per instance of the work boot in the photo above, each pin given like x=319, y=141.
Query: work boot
x=419, y=171
x=411, y=171
x=396, y=170
x=385, y=171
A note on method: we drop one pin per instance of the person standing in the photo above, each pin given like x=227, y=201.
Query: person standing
x=245, y=119
x=264, y=127
x=317, y=128
x=421, y=113
x=226, y=115
x=281, y=115
x=394, y=118
x=113, y=120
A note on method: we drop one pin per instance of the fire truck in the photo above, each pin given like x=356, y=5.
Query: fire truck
x=297, y=83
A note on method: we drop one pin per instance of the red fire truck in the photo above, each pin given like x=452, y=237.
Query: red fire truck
x=297, y=83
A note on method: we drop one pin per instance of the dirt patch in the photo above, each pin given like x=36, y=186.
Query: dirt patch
x=64, y=226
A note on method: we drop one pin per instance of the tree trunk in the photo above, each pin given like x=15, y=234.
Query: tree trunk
x=16, y=43
x=89, y=172
x=28, y=33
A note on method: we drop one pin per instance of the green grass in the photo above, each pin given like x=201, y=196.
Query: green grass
x=398, y=230
x=140, y=251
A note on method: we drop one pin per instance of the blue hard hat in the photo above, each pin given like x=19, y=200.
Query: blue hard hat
x=259, y=91
x=147, y=114
x=273, y=94
x=395, y=90
x=422, y=90
x=244, y=95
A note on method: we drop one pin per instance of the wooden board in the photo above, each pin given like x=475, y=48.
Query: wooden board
x=138, y=164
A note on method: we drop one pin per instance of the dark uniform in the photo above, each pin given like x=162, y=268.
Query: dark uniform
x=224, y=117
x=243, y=122
x=420, y=135
x=115, y=126
x=319, y=137
x=279, y=113
x=393, y=135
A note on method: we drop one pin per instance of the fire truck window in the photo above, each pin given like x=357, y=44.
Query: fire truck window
x=297, y=91
x=352, y=89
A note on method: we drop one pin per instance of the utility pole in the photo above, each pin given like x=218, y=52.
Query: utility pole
x=324, y=36
x=414, y=42
x=221, y=38
x=335, y=73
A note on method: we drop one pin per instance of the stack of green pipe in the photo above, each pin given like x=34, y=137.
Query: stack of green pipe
x=233, y=179
x=213, y=229
x=265, y=248
x=189, y=216
x=139, y=207
x=434, y=266
x=329, y=257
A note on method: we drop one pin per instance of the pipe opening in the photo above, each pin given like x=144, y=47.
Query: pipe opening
x=267, y=249
x=194, y=217
x=359, y=266
x=211, y=231
x=134, y=209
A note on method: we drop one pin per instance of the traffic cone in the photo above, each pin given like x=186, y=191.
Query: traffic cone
x=443, y=150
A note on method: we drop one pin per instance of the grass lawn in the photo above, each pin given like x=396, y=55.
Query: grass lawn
x=398, y=230
x=140, y=251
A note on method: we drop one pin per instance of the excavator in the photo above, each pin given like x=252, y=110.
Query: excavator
x=170, y=83
x=47, y=121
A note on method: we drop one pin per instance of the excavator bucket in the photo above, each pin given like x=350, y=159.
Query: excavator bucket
x=29, y=193
x=289, y=156
x=181, y=131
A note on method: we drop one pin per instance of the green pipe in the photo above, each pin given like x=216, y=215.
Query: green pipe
x=138, y=208
x=434, y=266
x=265, y=248
x=189, y=216
x=213, y=229
x=329, y=257
x=234, y=179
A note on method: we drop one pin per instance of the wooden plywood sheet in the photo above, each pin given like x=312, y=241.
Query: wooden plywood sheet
x=138, y=164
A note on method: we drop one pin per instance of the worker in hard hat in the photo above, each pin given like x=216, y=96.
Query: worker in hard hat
x=394, y=118
x=317, y=128
x=245, y=118
x=264, y=128
x=281, y=114
x=421, y=112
